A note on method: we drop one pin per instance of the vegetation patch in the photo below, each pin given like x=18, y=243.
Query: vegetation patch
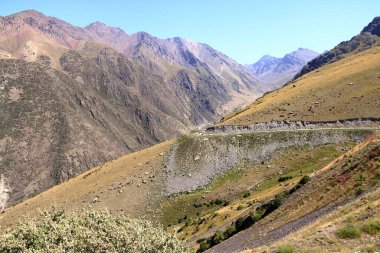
x=246, y=182
x=348, y=232
x=249, y=220
x=372, y=227
x=286, y=249
x=87, y=231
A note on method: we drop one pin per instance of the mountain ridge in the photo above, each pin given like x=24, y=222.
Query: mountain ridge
x=367, y=38
x=101, y=103
x=277, y=71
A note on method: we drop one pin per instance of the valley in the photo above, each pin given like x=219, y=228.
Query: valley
x=207, y=154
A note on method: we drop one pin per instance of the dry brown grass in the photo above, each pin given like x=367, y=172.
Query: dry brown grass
x=349, y=88
x=106, y=186
x=320, y=236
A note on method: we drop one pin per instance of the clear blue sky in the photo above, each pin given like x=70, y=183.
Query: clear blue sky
x=243, y=29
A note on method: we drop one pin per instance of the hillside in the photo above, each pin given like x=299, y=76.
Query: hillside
x=70, y=102
x=350, y=182
x=275, y=72
x=30, y=35
x=97, y=118
x=137, y=184
x=369, y=37
x=345, y=89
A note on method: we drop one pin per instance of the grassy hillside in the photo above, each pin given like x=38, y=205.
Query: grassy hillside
x=355, y=226
x=348, y=88
x=128, y=185
x=343, y=184
x=136, y=184
x=369, y=37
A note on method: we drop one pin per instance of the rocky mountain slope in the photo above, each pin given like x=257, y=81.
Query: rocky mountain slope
x=276, y=72
x=71, y=98
x=369, y=37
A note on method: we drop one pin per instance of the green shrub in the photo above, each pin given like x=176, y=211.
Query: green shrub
x=286, y=249
x=304, y=180
x=360, y=190
x=285, y=178
x=203, y=246
x=246, y=195
x=230, y=231
x=372, y=227
x=219, y=202
x=87, y=231
x=378, y=170
x=240, y=207
x=348, y=232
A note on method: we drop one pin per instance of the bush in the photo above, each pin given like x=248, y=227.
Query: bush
x=203, y=246
x=219, y=202
x=304, y=180
x=360, y=190
x=246, y=195
x=230, y=231
x=286, y=249
x=372, y=227
x=87, y=231
x=283, y=179
x=348, y=232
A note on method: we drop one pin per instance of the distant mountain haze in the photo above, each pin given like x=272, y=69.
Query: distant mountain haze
x=275, y=72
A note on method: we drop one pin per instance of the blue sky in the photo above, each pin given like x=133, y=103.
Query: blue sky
x=243, y=29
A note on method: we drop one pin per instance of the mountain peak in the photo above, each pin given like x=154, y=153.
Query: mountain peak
x=277, y=71
x=29, y=14
x=96, y=24
x=99, y=26
x=373, y=27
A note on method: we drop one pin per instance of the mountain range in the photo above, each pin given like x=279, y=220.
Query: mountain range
x=297, y=170
x=275, y=72
x=74, y=97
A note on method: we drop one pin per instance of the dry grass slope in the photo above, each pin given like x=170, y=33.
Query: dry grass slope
x=128, y=185
x=349, y=88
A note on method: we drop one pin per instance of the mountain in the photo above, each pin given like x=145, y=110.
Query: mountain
x=341, y=90
x=73, y=98
x=369, y=37
x=165, y=57
x=278, y=71
x=306, y=172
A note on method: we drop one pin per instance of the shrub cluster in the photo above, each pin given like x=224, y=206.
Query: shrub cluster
x=286, y=249
x=284, y=178
x=247, y=221
x=372, y=227
x=218, y=202
x=348, y=232
x=87, y=231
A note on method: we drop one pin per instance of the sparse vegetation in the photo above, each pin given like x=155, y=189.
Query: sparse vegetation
x=285, y=178
x=87, y=231
x=247, y=221
x=348, y=232
x=286, y=249
x=372, y=227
